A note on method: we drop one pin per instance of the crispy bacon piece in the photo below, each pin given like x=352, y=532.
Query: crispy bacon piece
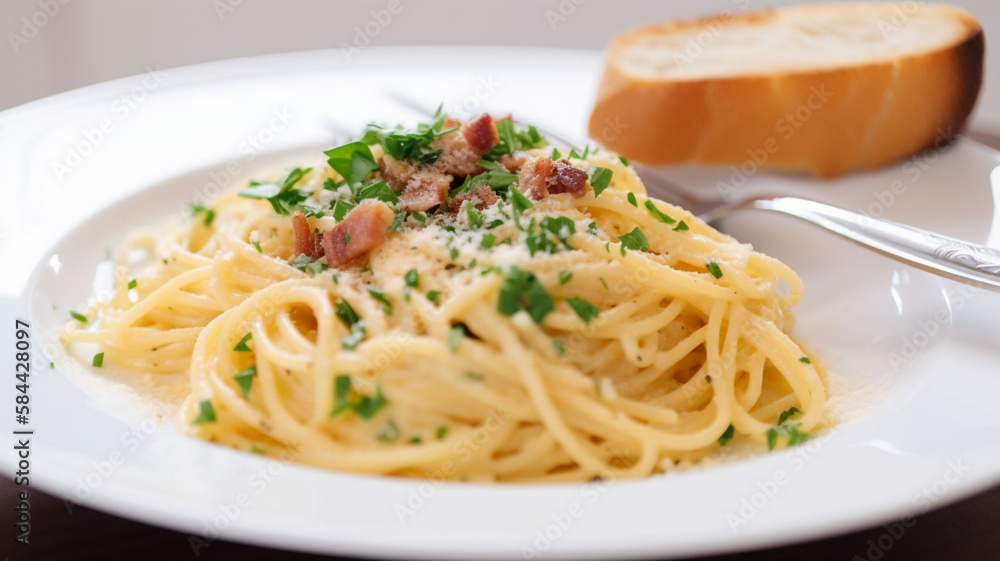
x=426, y=189
x=484, y=197
x=533, y=179
x=306, y=241
x=481, y=134
x=513, y=162
x=362, y=230
x=541, y=176
x=568, y=179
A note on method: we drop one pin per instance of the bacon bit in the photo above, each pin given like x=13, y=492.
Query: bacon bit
x=481, y=134
x=534, y=177
x=457, y=158
x=513, y=162
x=362, y=230
x=486, y=195
x=306, y=241
x=426, y=189
x=397, y=173
x=568, y=179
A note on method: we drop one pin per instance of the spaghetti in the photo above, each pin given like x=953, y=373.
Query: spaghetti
x=534, y=323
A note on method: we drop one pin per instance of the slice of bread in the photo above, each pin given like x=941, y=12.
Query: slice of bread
x=821, y=88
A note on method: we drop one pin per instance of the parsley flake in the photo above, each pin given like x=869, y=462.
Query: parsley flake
x=307, y=264
x=388, y=432
x=455, y=335
x=242, y=347
x=658, y=214
x=635, y=240
x=206, y=413
x=713, y=268
x=585, y=310
x=244, y=379
x=208, y=215
x=600, y=179
x=727, y=436
x=521, y=290
x=381, y=297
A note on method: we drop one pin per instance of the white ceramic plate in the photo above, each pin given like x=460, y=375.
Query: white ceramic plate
x=923, y=350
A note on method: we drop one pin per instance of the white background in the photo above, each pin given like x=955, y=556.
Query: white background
x=89, y=41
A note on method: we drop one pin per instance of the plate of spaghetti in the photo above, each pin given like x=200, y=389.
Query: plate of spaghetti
x=452, y=336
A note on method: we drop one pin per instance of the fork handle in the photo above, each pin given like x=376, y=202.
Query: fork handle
x=949, y=257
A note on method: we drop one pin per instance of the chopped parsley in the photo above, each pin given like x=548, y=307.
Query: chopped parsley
x=353, y=161
x=521, y=290
x=489, y=239
x=346, y=313
x=340, y=209
x=514, y=138
x=658, y=214
x=631, y=199
x=474, y=376
x=433, y=295
x=713, y=268
x=388, y=432
x=307, y=264
x=132, y=284
x=378, y=190
x=242, y=345
x=78, y=316
x=681, y=226
x=600, y=179
x=455, y=335
x=549, y=234
x=244, y=379
x=585, y=310
x=635, y=240
x=98, y=359
x=364, y=407
x=282, y=195
x=206, y=413
x=208, y=215
x=441, y=432
x=520, y=204
x=788, y=431
x=411, y=280
x=727, y=436
x=789, y=415
x=414, y=146
x=381, y=297
x=565, y=276
x=475, y=217
x=623, y=160
x=559, y=348
x=805, y=360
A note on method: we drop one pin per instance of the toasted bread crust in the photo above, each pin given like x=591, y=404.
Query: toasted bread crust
x=827, y=121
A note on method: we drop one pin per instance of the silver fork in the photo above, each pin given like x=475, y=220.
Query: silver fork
x=935, y=253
